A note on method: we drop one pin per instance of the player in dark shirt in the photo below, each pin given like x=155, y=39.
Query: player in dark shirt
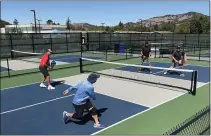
x=178, y=58
x=145, y=54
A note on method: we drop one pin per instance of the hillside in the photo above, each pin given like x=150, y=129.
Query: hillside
x=178, y=18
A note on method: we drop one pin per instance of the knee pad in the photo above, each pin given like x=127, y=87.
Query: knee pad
x=93, y=111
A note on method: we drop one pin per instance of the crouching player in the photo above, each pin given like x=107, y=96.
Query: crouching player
x=179, y=58
x=81, y=100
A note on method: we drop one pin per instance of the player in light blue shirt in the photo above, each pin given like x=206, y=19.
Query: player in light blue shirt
x=81, y=100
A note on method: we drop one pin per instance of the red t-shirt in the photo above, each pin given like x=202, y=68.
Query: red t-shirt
x=45, y=60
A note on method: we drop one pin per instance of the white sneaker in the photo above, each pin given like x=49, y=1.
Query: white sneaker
x=42, y=85
x=51, y=87
x=182, y=75
x=165, y=73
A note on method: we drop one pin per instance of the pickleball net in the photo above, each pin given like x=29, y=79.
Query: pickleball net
x=26, y=56
x=141, y=74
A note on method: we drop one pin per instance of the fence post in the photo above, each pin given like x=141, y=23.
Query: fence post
x=199, y=45
x=172, y=42
x=8, y=67
x=66, y=43
x=11, y=46
x=184, y=43
x=51, y=42
x=81, y=44
x=32, y=35
x=99, y=42
x=87, y=42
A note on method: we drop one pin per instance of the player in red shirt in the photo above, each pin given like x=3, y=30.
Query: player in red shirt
x=44, y=67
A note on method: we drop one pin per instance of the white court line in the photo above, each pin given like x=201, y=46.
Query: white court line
x=36, y=104
x=19, y=86
x=143, y=112
x=186, y=64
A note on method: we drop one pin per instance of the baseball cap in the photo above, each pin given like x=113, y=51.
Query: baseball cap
x=178, y=47
x=93, y=77
x=49, y=50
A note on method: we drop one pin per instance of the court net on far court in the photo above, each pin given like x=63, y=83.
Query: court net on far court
x=172, y=78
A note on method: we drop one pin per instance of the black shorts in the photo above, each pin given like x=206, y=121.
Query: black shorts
x=178, y=63
x=44, y=71
x=79, y=109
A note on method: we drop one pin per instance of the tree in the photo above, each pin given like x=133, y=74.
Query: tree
x=199, y=24
x=156, y=28
x=15, y=22
x=167, y=26
x=68, y=27
x=107, y=29
x=121, y=25
x=182, y=28
x=49, y=22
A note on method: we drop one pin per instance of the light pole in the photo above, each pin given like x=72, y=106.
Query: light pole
x=35, y=20
x=39, y=23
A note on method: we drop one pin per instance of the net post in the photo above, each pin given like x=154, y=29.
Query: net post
x=8, y=68
x=81, y=65
x=195, y=82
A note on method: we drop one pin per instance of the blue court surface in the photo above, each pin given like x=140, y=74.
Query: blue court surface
x=72, y=58
x=203, y=72
x=31, y=110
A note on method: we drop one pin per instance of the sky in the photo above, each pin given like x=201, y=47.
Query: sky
x=95, y=12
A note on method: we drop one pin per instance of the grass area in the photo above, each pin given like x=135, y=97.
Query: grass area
x=164, y=117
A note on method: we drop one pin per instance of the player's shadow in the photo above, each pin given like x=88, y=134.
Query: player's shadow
x=174, y=73
x=55, y=83
x=87, y=117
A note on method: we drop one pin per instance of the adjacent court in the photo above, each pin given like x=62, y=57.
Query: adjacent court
x=32, y=110
x=30, y=63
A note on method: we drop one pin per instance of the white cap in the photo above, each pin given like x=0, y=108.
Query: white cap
x=49, y=50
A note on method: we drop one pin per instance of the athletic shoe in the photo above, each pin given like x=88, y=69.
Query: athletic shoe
x=65, y=117
x=98, y=126
x=51, y=87
x=182, y=75
x=150, y=72
x=42, y=85
x=165, y=73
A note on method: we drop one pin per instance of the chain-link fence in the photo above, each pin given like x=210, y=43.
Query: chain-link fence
x=39, y=43
x=198, y=124
x=196, y=46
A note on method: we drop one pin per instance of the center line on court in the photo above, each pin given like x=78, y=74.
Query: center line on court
x=37, y=104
